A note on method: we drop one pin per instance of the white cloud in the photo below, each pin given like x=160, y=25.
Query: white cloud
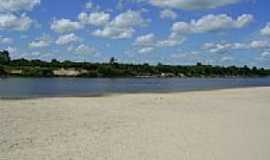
x=227, y=59
x=265, y=54
x=217, y=47
x=114, y=32
x=191, y=4
x=18, y=5
x=243, y=20
x=65, y=25
x=224, y=47
x=84, y=49
x=211, y=23
x=171, y=42
x=12, y=50
x=67, y=39
x=146, y=40
x=41, y=42
x=146, y=50
x=122, y=26
x=5, y=40
x=169, y=14
x=12, y=22
x=150, y=40
x=89, y=5
x=129, y=19
x=96, y=18
x=266, y=30
x=259, y=44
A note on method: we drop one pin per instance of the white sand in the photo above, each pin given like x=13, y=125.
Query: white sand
x=211, y=125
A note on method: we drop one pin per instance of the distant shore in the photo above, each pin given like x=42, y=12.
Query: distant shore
x=54, y=68
x=220, y=124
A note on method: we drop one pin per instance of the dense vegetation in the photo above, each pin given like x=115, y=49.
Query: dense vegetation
x=38, y=68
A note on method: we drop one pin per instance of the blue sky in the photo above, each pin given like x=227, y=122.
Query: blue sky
x=224, y=32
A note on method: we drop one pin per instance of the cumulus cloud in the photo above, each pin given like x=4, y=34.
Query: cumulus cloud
x=84, y=49
x=146, y=50
x=18, y=5
x=211, y=23
x=146, y=40
x=67, y=39
x=217, y=47
x=122, y=26
x=227, y=59
x=224, y=47
x=259, y=44
x=41, y=42
x=11, y=17
x=96, y=18
x=89, y=5
x=12, y=51
x=243, y=20
x=129, y=19
x=65, y=26
x=168, y=14
x=12, y=22
x=266, y=30
x=191, y=4
x=265, y=54
x=149, y=42
x=5, y=40
x=171, y=42
x=114, y=32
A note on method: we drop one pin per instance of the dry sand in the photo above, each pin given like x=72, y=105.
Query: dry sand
x=210, y=125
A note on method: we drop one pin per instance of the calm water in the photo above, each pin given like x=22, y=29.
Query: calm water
x=46, y=87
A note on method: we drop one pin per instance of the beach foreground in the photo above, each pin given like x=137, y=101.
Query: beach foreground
x=209, y=125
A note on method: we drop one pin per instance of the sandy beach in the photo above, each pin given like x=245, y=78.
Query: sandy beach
x=209, y=125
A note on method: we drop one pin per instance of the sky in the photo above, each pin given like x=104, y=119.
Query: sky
x=184, y=32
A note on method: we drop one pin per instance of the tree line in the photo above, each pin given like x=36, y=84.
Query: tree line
x=38, y=68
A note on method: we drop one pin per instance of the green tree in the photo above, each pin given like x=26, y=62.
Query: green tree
x=2, y=71
x=4, y=57
x=113, y=60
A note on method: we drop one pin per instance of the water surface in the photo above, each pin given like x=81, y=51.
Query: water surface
x=52, y=87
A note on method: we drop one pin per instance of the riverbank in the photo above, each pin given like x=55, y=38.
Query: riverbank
x=37, y=68
x=222, y=125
